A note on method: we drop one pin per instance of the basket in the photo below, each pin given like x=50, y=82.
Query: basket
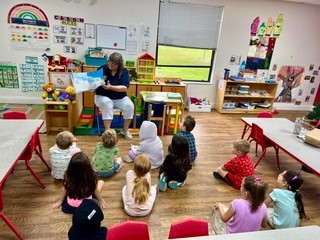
x=94, y=61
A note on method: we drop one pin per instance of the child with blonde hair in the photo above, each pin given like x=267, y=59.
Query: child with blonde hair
x=107, y=160
x=138, y=195
x=61, y=153
x=248, y=213
x=237, y=168
x=288, y=208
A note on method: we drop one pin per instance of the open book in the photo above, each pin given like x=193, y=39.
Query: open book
x=83, y=82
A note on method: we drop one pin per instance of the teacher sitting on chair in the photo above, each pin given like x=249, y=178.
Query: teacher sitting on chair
x=113, y=93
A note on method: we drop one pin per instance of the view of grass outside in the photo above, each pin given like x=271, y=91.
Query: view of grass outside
x=190, y=64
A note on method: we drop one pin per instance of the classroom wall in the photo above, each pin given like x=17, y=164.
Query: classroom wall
x=297, y=44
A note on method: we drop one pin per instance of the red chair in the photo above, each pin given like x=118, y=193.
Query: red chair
x=14, y=115
x=129, y=230
x=189, y=227
x=259, y=115
x=20, y=115
x=258, y=136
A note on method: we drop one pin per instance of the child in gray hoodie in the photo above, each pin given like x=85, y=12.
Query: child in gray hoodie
x=150, y=145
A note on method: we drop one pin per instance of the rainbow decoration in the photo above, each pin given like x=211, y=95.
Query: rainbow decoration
x=28, y=14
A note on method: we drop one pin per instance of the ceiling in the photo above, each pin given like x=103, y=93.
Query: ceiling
x=313, y=2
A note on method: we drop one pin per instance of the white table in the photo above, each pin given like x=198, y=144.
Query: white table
x=298, y=233
x=280, y=132
x=15, y=136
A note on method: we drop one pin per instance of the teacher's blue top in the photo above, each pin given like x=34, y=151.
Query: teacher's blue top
x=115, y=80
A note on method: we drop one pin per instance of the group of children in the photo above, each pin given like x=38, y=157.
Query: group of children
x=250, y=213
x=81, y=194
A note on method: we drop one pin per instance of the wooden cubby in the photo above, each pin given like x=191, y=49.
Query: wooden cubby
x=146, y=68
x=60, y=116
x=227, y=93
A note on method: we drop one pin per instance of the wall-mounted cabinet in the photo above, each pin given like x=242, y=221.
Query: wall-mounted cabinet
x=244, y=96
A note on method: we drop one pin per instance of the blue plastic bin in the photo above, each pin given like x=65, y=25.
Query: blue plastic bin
x=94, y=61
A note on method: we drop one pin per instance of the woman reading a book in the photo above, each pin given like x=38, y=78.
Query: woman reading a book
x=113, y=93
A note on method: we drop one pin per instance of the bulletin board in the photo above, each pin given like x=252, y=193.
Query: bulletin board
x=113, y=37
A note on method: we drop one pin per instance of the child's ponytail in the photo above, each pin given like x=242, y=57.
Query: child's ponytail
x=141, y=190
x=257, y=190
x=294, y=182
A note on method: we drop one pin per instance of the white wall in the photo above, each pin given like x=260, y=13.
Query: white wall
x=298, y=43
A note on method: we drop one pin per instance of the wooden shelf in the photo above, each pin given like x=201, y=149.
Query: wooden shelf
x=225, y=97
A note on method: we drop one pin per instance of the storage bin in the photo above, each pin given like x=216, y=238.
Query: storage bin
x=199, y=108
x=94, y=61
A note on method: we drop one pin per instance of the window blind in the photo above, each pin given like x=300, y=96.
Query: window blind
x=189, y=25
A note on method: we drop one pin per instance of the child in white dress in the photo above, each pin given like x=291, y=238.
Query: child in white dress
x=150, y=145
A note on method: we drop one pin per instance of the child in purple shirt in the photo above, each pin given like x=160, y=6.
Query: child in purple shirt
x=248, y=213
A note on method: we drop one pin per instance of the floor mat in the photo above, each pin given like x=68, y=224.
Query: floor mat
x=88, y=124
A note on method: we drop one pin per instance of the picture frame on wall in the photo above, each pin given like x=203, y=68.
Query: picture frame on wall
x=60, y=39
x=69, y=49
x=60, y=79
x=60, y=29
x=77, y=40
x=76, y=31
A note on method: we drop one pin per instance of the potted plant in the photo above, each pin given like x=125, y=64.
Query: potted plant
x=314, y=115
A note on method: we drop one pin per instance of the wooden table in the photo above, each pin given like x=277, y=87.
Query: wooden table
x=298, y=233
x=15, y=136
x=280, y=132
x=149, y=97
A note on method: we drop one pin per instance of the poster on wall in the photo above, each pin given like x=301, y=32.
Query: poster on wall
x=289, y=78
x=28, y=28
x=32, y=77
x=9, y=76
x=132, y=39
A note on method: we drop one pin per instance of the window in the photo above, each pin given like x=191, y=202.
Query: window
x=187, y=40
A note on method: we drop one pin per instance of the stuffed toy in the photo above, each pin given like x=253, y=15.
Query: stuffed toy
x=68, y=95
x=49, y=92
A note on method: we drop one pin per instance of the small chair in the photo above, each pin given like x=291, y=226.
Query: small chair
x=171, y=114
x=129, y=230
x=14, y=115
x=28, y=153
x=157, y=112
x=259, y=115
x=189, y=227
x=96, y=113
x=138, y=110
x=258, y=136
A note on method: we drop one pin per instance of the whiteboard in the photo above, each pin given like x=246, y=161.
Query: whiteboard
x=113, y=37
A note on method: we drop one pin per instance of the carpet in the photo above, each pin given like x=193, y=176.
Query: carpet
x=88, y=125
x=33, y=111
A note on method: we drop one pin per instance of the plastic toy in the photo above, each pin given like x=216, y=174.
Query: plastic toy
x=50, y=93
x=67, y=95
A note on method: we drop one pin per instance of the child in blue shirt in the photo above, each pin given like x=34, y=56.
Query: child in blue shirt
x=185, y=131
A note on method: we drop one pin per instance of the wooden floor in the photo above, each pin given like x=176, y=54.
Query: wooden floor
x=28, y=206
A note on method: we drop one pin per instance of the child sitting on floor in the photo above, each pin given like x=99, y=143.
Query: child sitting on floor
x=80, y=182
x=248, y=213
x=175, y=167
x=185, y=131
x=237, y=168
x=61, y=153
x=150, y=145
x=106, y=160
x=138, y=195
x=287, y=203
x=86, y=222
